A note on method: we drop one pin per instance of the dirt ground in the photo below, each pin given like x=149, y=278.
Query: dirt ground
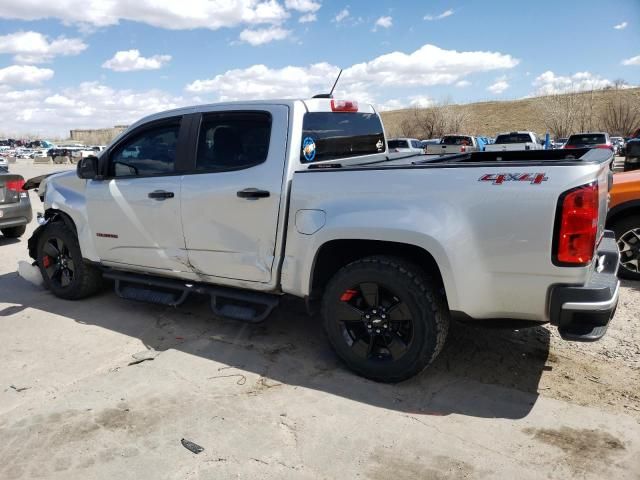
x=107, y=388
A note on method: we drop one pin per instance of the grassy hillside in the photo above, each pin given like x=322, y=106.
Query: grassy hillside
x=489, y=118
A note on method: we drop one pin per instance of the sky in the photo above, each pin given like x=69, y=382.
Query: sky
x=97, y=63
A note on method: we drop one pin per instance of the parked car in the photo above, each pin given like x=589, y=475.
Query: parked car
x=632, y=155
x=4, y=165
x=451, y=144
x=314, y=208
x=624, y=220
x=515, y=141
x=15, y=206
x=412, y=145
x=618, y=144
x=589, y=140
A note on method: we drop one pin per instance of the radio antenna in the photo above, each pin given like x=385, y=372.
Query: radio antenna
x=330, y=94
x=334, y=85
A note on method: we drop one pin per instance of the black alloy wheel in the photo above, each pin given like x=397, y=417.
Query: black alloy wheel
x=375, y=322
x=57, y=262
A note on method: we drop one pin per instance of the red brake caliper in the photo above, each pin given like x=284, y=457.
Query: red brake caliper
x=348, y=295
x=46, y=261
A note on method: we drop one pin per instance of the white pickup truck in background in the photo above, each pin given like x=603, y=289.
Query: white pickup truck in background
x=450, y=144
x=246, y=202
x=515, y=141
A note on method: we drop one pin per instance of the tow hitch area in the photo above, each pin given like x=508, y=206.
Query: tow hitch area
x=583, y=313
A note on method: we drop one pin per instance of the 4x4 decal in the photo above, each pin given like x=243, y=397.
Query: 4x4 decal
x=500, y=178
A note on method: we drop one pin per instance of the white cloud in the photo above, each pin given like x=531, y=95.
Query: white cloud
x=342, y=14
x=169, y=14
x=463, y=83
x=549, y=83
x=261, y=36
x=445, y=14
x=302, y=5
x=621, y=26
x=24, y=74
x=130, y=60
x=632, y=61
x=88, y=105
x=384, y=22
x=499, y=86
x=308, y=18
x=34, y=47
x=368, y=81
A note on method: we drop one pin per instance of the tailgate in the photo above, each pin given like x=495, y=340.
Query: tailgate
x=9, y=191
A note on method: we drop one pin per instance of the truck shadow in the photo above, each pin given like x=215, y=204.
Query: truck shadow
x=482, y=372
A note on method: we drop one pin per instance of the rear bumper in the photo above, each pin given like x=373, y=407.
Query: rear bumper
x=582, y=313
x=16, y=214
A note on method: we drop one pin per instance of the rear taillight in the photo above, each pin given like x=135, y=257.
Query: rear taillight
x=576, y=226
x=15, y=185
x=344, y=106
x=604, y=145
x=569, y=146
x=463, y=149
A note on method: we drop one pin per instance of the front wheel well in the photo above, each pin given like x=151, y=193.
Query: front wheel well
x=51, y=215
x=335, y=254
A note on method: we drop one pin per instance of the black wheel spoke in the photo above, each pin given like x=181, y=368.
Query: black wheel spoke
x=59, y=244
x=370, y=292
x=71, y=266
x=399, y=312
x=50, y=249
x=65, y=278
x=396, y=345
x=363, y=346
x=348, y=313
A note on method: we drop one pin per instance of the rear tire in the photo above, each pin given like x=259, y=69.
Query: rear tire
x=627, y=231
x=388, y=333
x=14, y=232
x=60, y=261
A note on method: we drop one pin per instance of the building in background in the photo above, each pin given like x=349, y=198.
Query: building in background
x=99, y=136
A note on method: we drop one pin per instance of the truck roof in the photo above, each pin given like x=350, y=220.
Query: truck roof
x=312, y=105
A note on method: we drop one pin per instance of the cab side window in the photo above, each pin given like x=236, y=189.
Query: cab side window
x=151, y=152
x=233, y=140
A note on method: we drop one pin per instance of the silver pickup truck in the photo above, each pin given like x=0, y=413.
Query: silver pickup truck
x=451, y=144
x=247, y=202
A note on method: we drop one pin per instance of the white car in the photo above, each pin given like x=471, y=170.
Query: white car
x=515, y=141
x=407, y=145
x=4, y=164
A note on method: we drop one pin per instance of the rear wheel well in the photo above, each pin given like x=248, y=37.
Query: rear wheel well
x=335, y=254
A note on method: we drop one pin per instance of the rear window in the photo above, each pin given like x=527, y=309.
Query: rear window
x=398, y=144
x=332, y=135
x=587, y=139
x=456, y=140
x=513, y=138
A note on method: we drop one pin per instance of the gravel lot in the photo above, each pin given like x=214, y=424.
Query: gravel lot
x=107, y=388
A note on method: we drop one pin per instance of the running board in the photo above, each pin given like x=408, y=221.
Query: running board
x=228, y=303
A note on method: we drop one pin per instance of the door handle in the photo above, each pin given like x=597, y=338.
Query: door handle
x=253, y=193
x=160, y=195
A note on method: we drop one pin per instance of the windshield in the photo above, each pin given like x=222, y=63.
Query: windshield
x=398, y=144
x=587, y=139
x=513, y=138
x=332, y=135
x=456, y=140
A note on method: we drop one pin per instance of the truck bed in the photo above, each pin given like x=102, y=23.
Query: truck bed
x=512, y=158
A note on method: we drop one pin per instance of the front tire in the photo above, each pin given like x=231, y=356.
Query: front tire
x=627, y=231
x=14, y=232
x=60, y=261
x=385, y=318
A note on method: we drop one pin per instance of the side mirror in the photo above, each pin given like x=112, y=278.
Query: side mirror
x=88, y=168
